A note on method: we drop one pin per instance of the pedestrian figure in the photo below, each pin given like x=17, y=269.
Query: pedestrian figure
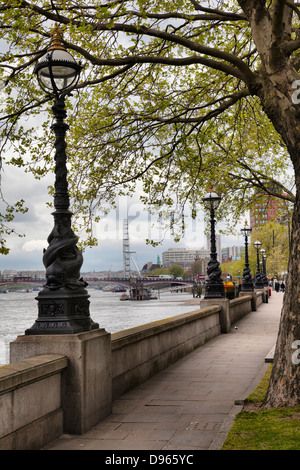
x=282, y=287
x=277, y=286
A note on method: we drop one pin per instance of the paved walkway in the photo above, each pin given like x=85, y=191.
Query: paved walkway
x=191, y=405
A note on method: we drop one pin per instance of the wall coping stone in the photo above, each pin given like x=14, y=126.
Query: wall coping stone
x=240, y=300
x=22, y=373
x=124, y=337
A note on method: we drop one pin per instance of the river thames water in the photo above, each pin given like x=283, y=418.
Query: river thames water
x=18, y=311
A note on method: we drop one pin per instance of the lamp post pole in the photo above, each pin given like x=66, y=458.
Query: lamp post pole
x=214, y=286
x=265, y=262
x=247, y=282
x=264, y=272
x=63, y=305
x=258, y=282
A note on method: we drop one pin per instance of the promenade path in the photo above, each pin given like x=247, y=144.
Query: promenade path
x=192, y=404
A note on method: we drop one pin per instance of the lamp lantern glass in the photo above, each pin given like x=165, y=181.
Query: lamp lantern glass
x=211, y=200
x=57, y=71
x=246, y=230
x=257, y=244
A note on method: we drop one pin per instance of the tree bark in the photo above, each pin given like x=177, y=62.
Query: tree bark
x=275, y=88
x=284, y=386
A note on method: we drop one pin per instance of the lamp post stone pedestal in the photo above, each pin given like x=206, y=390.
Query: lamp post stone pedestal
x=86, y=388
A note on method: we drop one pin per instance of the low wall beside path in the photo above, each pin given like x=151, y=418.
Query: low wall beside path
x=59, y=384
x=139, y=353
x=30, y=402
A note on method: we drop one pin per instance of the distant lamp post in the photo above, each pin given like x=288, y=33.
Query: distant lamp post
x=263, y=260
x=214, y=286
x=258, y=282
x=63, y=303
x=247, y=282
x=265, y=268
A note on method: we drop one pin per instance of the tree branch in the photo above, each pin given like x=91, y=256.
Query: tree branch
x=280, y=27
x=260, y=181
x=292, y=45
x=105, y=78
x=223, y=14
x=213, y=15
x=234, y=98
x=234, y=61
x=24, y=109
x=132, y=60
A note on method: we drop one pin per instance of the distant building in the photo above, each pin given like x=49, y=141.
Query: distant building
x=268, y=209
x=8, y=274
x=148, y=267
x=231, y=253
x=183, y=256
x=14, y=275
x=218, y=246
x=33, y=275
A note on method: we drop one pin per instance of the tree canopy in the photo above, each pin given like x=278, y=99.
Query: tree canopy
x=180, y=96
x=167, y=97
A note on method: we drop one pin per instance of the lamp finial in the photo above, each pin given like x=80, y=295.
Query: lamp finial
x=56, y=39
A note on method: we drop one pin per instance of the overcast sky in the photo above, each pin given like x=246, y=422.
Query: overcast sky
x=27, y=252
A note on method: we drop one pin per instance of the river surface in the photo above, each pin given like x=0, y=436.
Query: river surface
x=18, y=311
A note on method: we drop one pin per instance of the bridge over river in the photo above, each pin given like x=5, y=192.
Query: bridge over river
x=146, y=282
x=123, y=282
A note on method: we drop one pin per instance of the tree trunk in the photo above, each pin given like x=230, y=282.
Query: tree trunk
x=284, y=386
x=277, y=79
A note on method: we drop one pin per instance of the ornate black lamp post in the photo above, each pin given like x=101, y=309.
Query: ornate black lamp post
x=247, y=282
x=63, y=303
x=214, y=287
x=258, y=282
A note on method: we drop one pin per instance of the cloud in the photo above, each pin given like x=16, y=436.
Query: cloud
x=27, y=253
x=34, y=245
